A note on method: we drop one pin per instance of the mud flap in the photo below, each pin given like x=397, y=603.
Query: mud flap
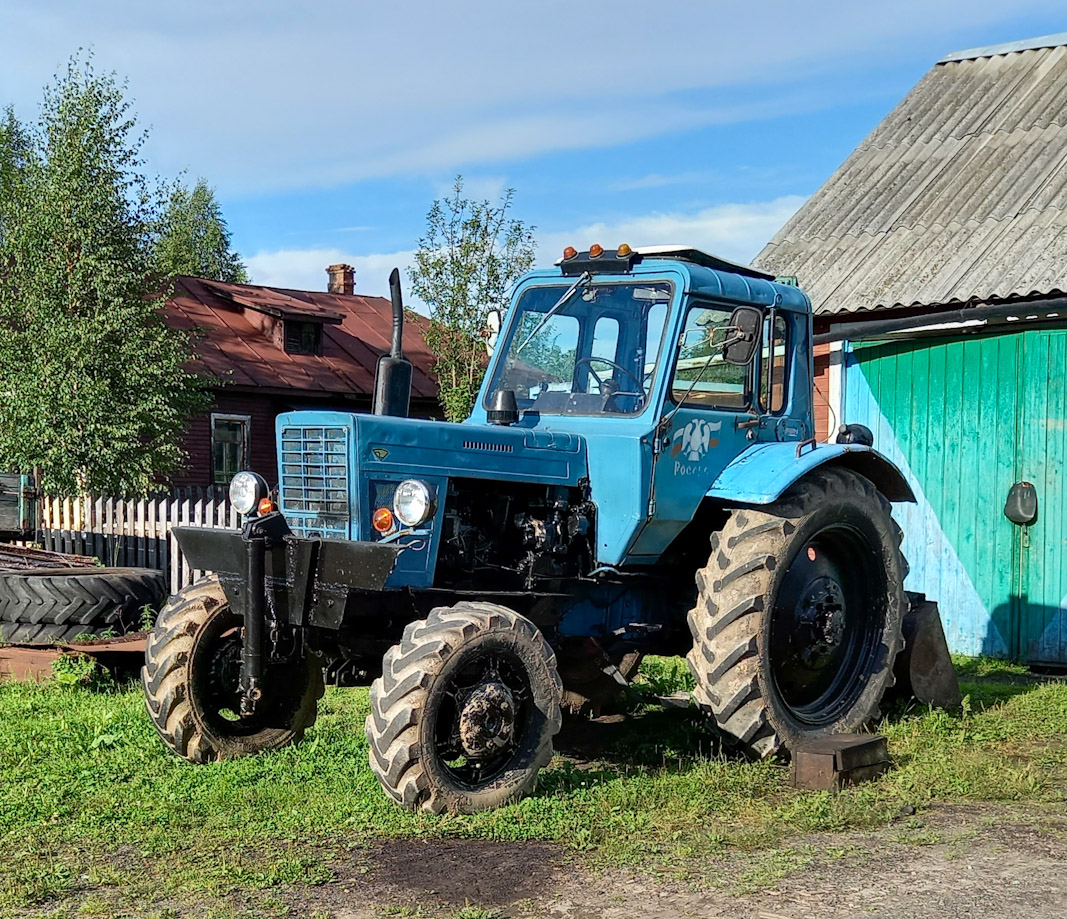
x=924, y=668
x=307, y=581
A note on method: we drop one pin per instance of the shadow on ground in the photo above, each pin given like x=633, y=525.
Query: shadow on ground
x=671, y=737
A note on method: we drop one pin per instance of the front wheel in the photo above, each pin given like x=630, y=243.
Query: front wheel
x=798, y=615
x=191, y=680
x=463, y=715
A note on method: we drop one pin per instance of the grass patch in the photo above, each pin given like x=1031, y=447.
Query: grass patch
x=664, y=676
x=92, y=806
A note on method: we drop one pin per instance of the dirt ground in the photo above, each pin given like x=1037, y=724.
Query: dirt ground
x=945, y=863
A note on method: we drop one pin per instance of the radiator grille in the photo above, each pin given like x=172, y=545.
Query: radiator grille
x=314, y=481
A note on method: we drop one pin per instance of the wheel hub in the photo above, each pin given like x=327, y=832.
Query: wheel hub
x=487, y=719
x=225, y=674
x=820, y=613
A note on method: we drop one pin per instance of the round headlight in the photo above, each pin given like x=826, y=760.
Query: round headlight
x=246, y=490
x=413, y=502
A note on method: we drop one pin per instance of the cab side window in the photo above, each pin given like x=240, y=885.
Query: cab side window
x=605, y=338
x=702, y=379
x=603, y=352
x=773, y=364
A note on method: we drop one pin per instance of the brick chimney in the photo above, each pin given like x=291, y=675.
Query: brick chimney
x=342, y=279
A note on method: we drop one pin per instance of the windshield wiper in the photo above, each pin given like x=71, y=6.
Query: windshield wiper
x=584, y=278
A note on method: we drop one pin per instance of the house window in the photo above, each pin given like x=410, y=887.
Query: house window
x=229, y=446
x=303, y=337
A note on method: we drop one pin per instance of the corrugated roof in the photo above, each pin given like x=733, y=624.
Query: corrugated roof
x=1026, y=44
x=960, y=194
x=356, y=331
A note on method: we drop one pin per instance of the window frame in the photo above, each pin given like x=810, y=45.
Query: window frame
x=316, y=328
x=661, y=356
x=246, y=442
x=750, y=393
x=766, y=375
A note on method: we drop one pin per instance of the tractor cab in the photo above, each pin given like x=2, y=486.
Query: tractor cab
x=595, y=337
x=668, y=361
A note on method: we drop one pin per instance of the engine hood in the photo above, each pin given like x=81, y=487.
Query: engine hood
x=410, y=446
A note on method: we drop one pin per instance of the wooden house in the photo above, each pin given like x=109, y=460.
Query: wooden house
x=268, y=350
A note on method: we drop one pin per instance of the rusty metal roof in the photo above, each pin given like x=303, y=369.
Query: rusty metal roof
x=234, y=346
x=959, y=195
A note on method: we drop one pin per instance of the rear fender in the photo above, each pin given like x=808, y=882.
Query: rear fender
x=763, y=472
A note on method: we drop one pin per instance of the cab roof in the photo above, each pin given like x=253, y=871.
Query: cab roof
x=709, y=275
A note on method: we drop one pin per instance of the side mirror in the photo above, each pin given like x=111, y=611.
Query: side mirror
x=740, y=345
x=492, y=329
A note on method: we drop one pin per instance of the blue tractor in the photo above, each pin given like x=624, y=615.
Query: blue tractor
x=640, y=474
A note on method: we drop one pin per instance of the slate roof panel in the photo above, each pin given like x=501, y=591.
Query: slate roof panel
x=959, y=195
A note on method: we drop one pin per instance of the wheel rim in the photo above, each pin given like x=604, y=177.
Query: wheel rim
x=216, y=680
x=483, y=717
x=826, y=625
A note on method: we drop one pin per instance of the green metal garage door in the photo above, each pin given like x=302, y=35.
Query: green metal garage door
x=967, y=419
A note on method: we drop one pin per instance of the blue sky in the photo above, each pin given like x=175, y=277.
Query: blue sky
x=328, y=128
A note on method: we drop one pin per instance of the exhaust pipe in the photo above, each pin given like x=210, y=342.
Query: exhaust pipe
x=392, y=379
x=398, y=313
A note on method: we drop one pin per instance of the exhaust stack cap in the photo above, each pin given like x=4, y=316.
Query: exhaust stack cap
x=392, y=380
x=503, y=407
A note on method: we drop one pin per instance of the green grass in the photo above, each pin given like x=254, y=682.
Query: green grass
x=92, y=808
x=664, y=676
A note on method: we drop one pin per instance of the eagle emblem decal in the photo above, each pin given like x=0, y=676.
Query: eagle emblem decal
x=694, y=440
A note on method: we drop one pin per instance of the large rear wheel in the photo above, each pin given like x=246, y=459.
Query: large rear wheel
x=798, y=615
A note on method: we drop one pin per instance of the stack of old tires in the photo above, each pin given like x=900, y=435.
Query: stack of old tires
x=47, y=605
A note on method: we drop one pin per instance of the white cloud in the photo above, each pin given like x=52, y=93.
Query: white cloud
x=305, y=269
x=658, y=180
x=261, y=94
x=733, y=231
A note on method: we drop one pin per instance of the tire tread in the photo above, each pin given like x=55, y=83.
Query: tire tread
x=399, y=694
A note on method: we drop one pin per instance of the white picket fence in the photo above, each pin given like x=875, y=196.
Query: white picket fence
x=134, y=534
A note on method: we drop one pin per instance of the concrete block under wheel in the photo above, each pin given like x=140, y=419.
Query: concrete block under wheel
x=830, y=763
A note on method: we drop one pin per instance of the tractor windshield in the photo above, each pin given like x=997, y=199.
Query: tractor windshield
x=594, y=354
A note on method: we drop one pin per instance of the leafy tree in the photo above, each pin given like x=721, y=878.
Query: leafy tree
x=93, y=390
x=194, y=239
x=470, y=256
x=15, y=151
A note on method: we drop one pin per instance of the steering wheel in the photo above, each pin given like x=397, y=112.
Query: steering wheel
x=589, y=360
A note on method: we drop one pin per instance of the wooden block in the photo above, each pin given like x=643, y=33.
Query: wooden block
x=833, y=762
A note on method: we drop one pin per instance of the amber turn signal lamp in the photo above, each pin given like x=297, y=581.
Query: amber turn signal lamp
x=265, y=506
x=624, y=250
x=596, y=250
x=570, y=252
x=382, y=520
